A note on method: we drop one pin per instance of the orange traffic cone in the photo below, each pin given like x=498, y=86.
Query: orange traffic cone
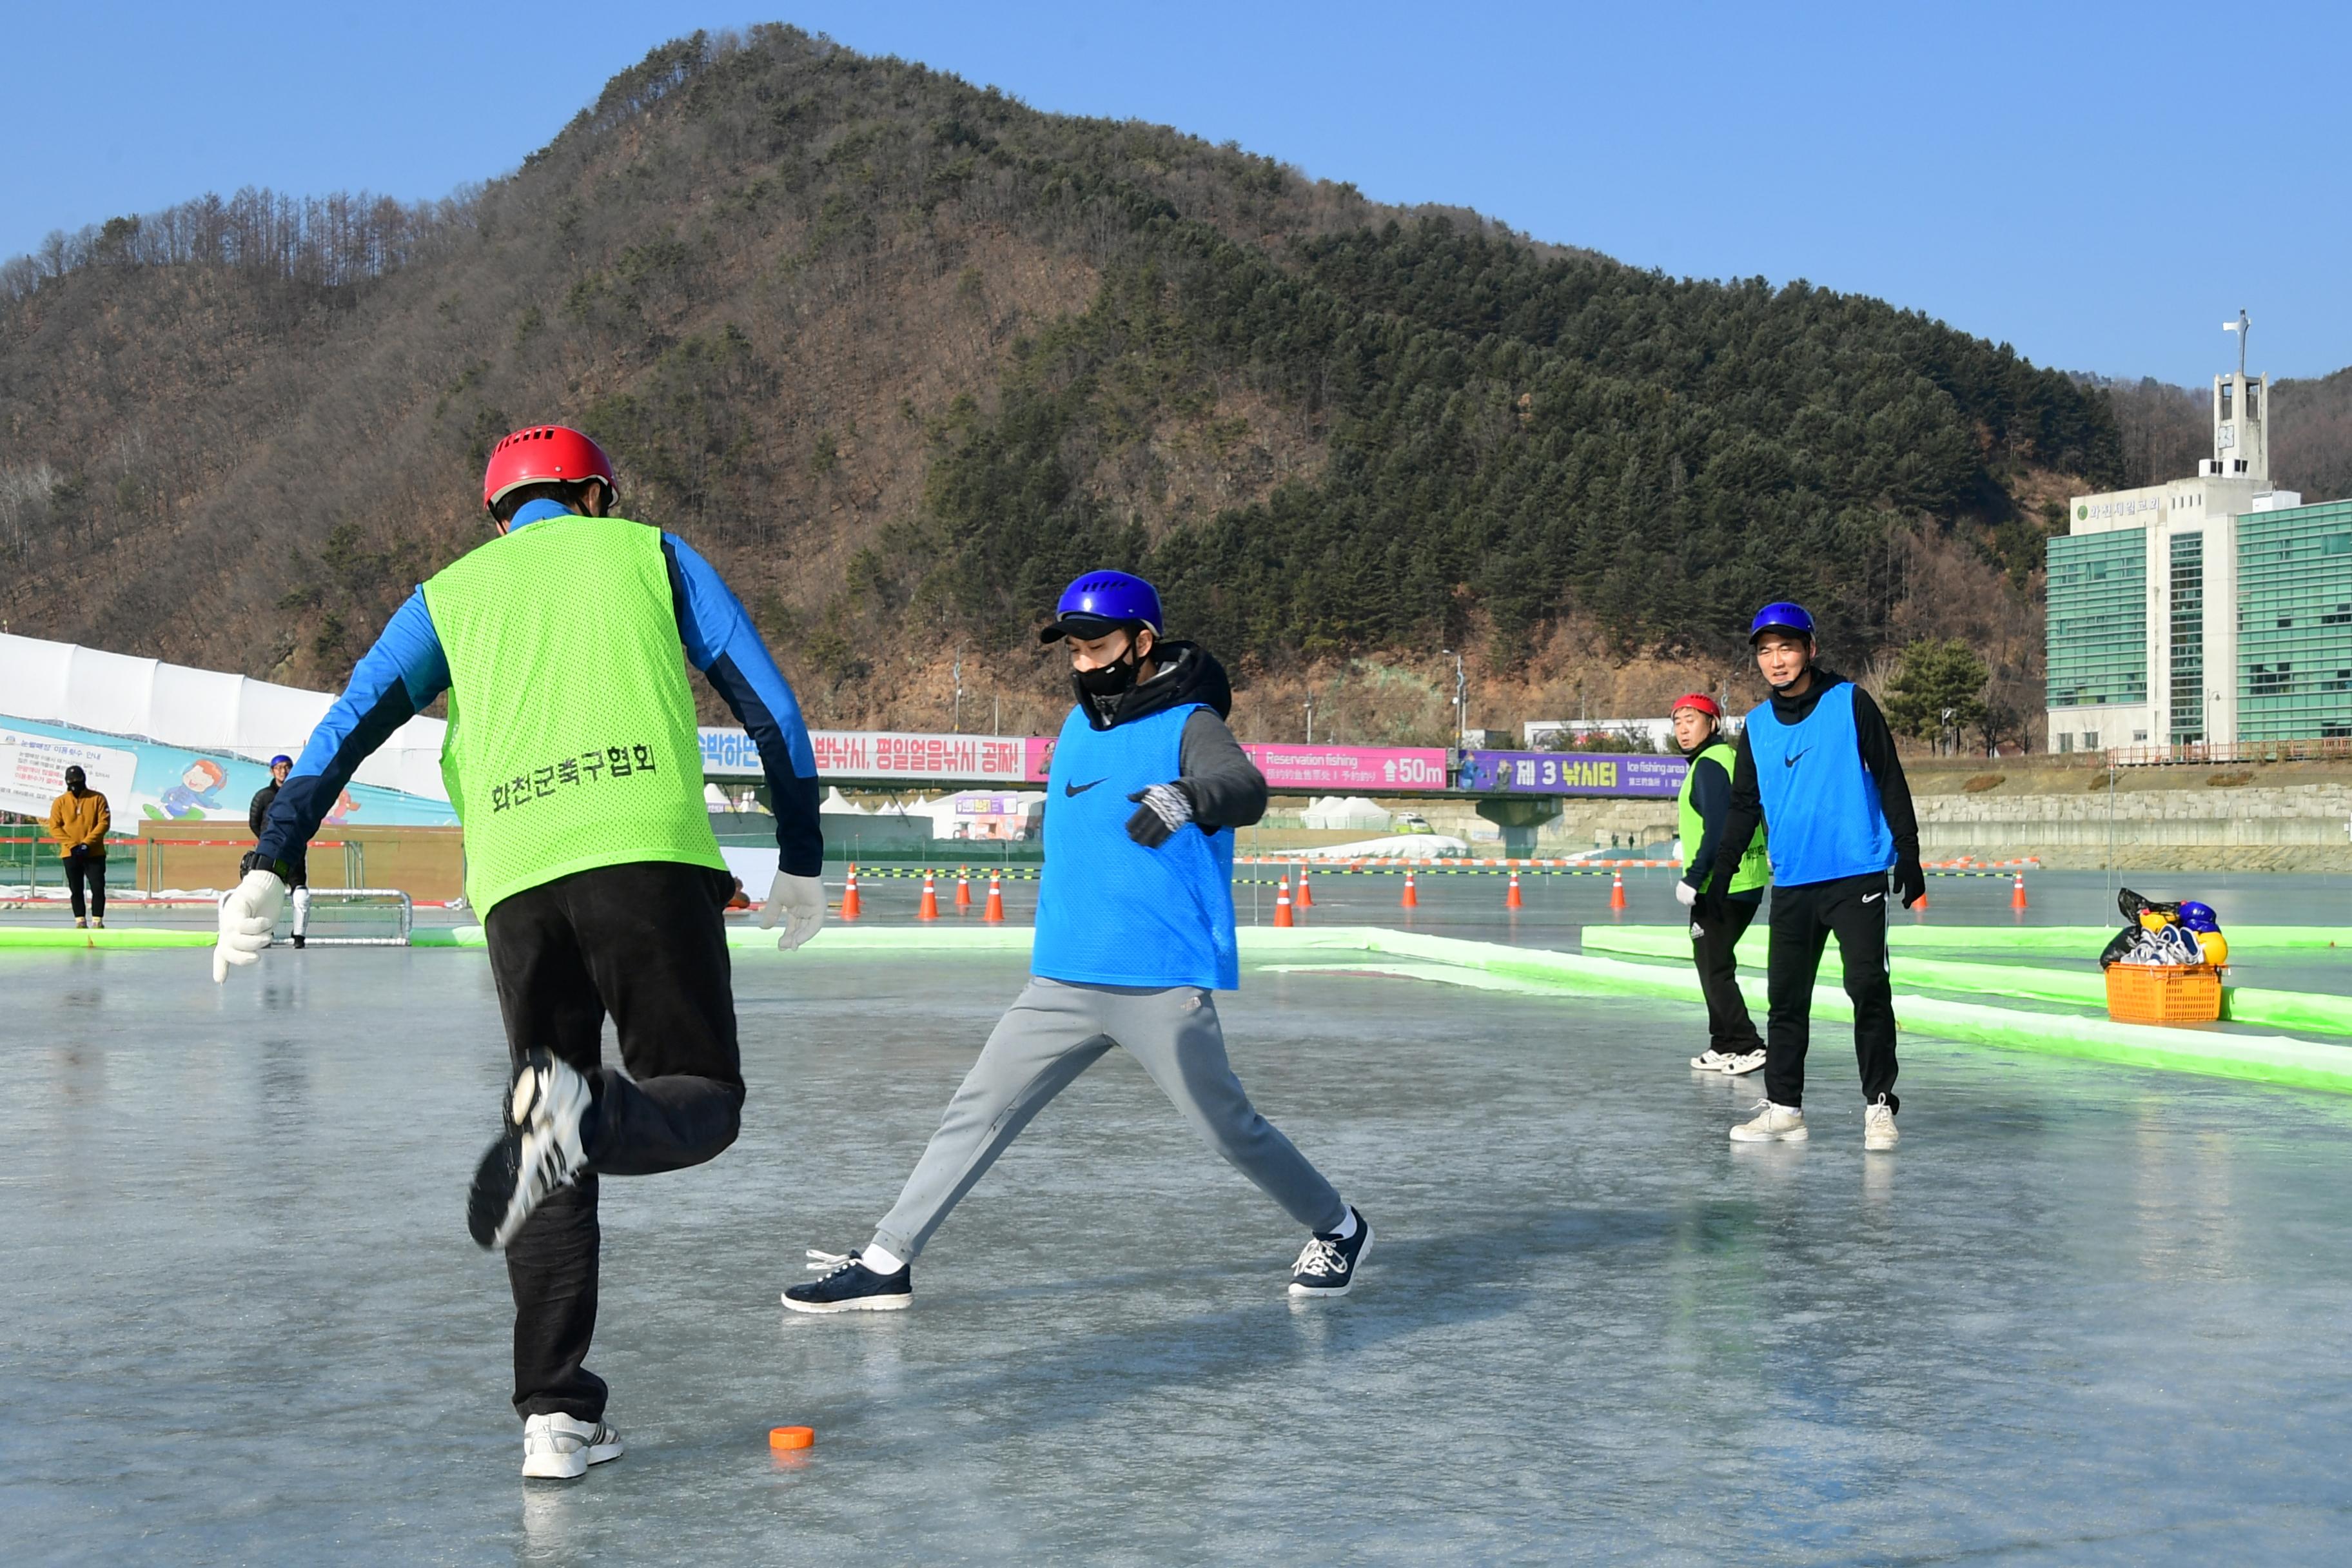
x=1511, y=900
x=928, y=910
x=2017, y=892
x=995, y=909
x=963, y=888
x=849, y=910
x=1306, y=894
x=1412, y=899
x=1282, y=905
x=1616, y=890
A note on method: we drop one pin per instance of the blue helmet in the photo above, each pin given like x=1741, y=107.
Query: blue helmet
x=2198, y=917
x=281, y=757
x=1782, y=616
x=1100, y=602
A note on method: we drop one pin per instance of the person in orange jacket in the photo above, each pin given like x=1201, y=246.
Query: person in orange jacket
x=79, y=820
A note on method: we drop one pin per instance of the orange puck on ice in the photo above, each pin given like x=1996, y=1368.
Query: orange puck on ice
x=791, y=1437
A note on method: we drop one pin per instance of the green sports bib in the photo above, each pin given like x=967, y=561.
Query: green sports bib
x=572, y=742
x=1754, y=867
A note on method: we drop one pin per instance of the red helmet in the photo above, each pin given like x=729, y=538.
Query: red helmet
x=1700, y=700
x=540, y=453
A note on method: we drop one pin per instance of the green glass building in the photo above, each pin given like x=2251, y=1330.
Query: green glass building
x=2295, y=623
x=2099, y=619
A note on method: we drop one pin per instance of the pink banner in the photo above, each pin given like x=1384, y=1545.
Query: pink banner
x=1380, y=770
x=1384, y=770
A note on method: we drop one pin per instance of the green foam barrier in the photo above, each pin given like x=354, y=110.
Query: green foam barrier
x=2054, y=941
x=123, y=936
x=836, y=937
x=2314, y=1010
x=2258, y=1059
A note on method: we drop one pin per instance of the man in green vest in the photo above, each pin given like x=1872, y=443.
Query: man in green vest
x=1733, y=1045
x=572, y=759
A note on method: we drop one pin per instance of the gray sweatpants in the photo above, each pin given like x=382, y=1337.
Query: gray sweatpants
x=1055, y=1032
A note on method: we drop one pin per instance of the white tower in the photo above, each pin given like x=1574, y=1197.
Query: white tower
x=2241, y=440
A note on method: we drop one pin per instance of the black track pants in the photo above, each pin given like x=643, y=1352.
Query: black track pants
x=86, y=872
x=1803, y=918
x=1728, y=1027
x=647, y=944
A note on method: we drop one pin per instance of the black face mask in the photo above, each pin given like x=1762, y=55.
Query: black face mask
x=1115, y=678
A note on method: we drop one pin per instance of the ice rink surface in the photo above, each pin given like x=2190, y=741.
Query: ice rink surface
x=2084, y=1315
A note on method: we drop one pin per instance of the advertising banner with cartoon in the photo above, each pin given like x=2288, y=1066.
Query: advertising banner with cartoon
x=141, y=779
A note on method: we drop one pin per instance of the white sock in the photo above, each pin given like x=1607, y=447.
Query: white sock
x=881, y=1259
x=1347, y=1225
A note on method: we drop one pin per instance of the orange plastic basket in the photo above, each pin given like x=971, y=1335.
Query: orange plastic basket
x=2163, y=993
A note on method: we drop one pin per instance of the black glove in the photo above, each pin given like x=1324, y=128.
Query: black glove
x=1713, y=910
x=1910, y=882
x=1164, y=810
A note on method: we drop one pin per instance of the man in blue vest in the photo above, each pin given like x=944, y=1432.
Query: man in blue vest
x=1135, y=929
x=1817, y=768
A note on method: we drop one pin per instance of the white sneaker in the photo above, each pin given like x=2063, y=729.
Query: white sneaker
x=1878, y=1125
x=557, y=1448
x=1711, y=1060
x=1773, y=1124
x=1745, y=1062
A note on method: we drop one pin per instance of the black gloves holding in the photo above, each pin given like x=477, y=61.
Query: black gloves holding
x=1910, y=882
x=1164, y=810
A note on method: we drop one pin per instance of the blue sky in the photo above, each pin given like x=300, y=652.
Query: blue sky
x=2101, y=185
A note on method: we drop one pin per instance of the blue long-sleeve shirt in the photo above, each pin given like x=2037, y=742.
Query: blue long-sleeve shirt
x=408, y=668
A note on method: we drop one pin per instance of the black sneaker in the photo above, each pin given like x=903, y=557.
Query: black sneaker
x=848, y=1286
x=1327, y=1264
x=539, y=1153
x=298, y=941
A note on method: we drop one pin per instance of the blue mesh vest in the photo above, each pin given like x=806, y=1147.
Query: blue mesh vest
x=1821, y=814
x=1109, y=912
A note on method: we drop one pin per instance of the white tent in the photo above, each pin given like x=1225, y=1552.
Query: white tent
x=201, y=710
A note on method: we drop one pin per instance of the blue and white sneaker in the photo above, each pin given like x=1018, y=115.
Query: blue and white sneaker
x=846, y=1285
x=1327, y=1264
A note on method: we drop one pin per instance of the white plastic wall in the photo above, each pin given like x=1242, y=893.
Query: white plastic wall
x=202, y=709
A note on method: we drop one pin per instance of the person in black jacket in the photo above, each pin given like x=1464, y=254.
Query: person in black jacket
x=1817, y=768
x=298, y=863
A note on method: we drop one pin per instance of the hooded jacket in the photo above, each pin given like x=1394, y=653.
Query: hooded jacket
x=1225, y=786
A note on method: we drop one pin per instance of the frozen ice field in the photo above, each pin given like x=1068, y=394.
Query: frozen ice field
x=2085, y=1314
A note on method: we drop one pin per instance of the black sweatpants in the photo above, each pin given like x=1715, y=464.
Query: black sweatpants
x=87, y=870
x=645, y=942
x=1803, y=919
x=1728, y=1027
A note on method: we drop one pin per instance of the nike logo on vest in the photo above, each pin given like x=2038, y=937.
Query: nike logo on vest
x=1791, y=760
x=1071, y=789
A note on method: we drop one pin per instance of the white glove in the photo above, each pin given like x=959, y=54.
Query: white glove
x=247, y=916
x=799, y=902
x=1686, y=895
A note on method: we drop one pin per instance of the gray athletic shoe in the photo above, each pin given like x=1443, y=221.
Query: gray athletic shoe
x=1878, y=1125
x=557, y=1448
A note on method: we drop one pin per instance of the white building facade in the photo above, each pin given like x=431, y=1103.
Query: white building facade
x=2144, y=601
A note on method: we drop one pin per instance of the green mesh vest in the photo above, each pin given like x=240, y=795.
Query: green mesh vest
x=1755, y=868
x=572, y=742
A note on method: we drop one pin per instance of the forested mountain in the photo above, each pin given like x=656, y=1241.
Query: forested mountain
x=902, y=354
